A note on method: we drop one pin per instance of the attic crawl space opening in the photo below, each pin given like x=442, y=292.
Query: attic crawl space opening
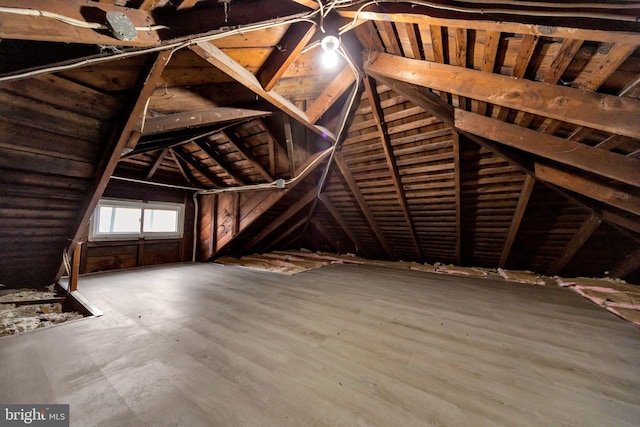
x=477, y=134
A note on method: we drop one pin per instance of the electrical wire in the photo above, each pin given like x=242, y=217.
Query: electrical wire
x=69, y=20
x=177, y=45
x=487, y=11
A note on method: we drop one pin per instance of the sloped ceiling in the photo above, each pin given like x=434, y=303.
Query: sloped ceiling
x=497, y=134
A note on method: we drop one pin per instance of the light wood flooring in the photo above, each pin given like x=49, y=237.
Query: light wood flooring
x=206, y=345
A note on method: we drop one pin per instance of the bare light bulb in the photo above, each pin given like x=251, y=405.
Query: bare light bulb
x=330, y=45
x=330, y=58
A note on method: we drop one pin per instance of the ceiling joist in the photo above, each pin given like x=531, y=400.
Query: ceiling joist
x=190, y=119
x=220, y=60
x=605, y=112
x=407, y=13
x=590, y=159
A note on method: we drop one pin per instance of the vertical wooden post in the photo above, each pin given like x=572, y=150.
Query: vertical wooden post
x=75, y=268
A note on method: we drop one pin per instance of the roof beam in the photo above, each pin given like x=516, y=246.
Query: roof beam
x=239, y=145
x=607, y=66
x=597, y=190
x=355, y=190
x=149, y=76
x=521, y=207
x=190, y=119
x=587, y=158
x=433, y=105
x=184, y=169
x=330, y=94
x=491, y=45
x=341, y=222
x=284, y=217
x=577, y=241
x=156, y=163
x=527, y=47
x=202, y=169
x=605, y=112
x=219, y=160
x=23, y=27
x=268, y=202
x=383, y=134
x=407, y=13
x=223, y=62
x=282, y=56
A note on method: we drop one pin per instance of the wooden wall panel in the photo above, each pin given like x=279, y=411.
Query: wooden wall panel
x=50, y=138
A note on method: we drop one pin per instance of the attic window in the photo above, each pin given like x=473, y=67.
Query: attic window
x=131, y=219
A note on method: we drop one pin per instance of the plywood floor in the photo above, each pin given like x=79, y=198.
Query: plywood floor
x=208, y=345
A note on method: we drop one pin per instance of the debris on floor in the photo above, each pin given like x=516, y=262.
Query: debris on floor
x=22, y=310
x=521, y=276
x=617, y=296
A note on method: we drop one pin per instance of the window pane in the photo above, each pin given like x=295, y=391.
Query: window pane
x=119, y=220
x=160, y=221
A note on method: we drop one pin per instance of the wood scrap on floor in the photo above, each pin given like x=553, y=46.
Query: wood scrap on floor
x=521, y=276
x=617, y=296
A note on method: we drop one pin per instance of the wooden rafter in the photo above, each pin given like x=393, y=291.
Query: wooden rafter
x=527, y=47
x=491, y=45
x=149, y=4
x=407, y=13
x=521, y=207
x=246, y=152
x=604, y=163
x=607, y=66
x=41, y=28
x=598, y=111
x=275, y=196
x=219, y=160
x=383, y=135
x=567, y=51
x=343, y=81
x=223, y=62
x=189, y=119
x=559, y=180
x=184, y=169
x=157, y=162
x=461, y=60
x=394, y=45
x=291, y=153
x=341, y=222
x=355, y=190
x=294, y=40
x=198, y=166
x=415, y=40
x=594, y=189
x=439, y=47
x=577, y=241
x=149, y=76
x=284, y=217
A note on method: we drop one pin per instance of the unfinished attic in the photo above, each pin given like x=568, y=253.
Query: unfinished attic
x=487, y=138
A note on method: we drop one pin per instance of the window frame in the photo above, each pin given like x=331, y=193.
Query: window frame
x=95, y=235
